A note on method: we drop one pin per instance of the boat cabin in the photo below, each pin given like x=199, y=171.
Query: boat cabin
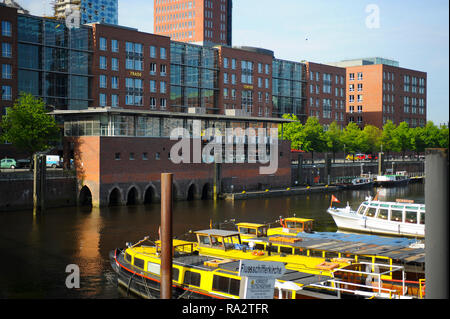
x=218, y=238
x=292, y=226
x=409, y=213
x=251, y=230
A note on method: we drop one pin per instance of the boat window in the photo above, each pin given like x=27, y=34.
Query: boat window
x=227, y=285
x=139, y=262
x=262, y=231
x=128, y=257
x=361, y=209
x=282, y=294
x=246, y=230
x=412, y=207
x=383, y=213
x=204, y=240
x=411, y=217
x=371, y=211
x=300, y=251
x=315, y=253
x=272, y=248
x=396, y=215
x=216, y=241
x=383, y=261
x=175, y=273
x=153, y=268
x=192, y=278
x=422, y=218
x=331, y=254
x=286, y=250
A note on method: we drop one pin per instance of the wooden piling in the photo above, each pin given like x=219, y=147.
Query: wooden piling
x=166, y=235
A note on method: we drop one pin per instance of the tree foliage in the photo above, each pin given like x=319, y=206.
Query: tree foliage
x=27, y=125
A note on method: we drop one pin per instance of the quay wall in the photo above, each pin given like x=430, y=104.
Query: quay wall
x=16, y=190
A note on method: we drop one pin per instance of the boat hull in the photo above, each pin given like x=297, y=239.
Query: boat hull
x=145, y=285
x=352, y=221
x=402, y=182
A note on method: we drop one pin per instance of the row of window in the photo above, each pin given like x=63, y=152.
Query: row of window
x=132, y=48
x=337, y=103
x=327, y=78
x=352, y=98
x=351, y=76
x=132, y=84
x=326, y=89
x=132, y=99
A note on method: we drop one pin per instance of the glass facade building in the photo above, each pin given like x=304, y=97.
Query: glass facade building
x=193, y=77
x=288, y=88
x=99, y=11
x=54, y=62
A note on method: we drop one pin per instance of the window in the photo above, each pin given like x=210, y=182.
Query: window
x=360, y=98
x=162, y=87
x=351, y=87
x=103, y=63
x=131, y=156
x=114, y=46
x=152, y=103
x=102, y=81
x=103, y=44
x=139, y=262
x=152, y=51
x=360, y=87
x=6, y=71
x=360, y=75
x=6, y=50
x=192, y=278
x=6, y=93
x=163, y=70
x=162, y=53
x=396, y=215
x=157, y=156
x=102, y=99
x=114, y=64
x=6, y=28
x=225, y=63
x=117, y=158
x=163, y=103
x=114, y=82
x=351, y=76
x=144, y=156
x=114, y=100
x=152, y=86
x=226, y=285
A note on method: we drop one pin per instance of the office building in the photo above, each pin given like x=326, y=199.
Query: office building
x=326, y=93
x=204, y=22
x=90, y=11
x=379, y=90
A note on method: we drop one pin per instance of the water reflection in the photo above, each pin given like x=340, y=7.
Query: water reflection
x=38, y=249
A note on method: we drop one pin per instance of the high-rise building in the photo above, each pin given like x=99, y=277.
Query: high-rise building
x=379, y=90
x=89, y=10
x=204, y=22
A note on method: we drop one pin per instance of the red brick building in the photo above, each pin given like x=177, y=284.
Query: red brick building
x=203, y=22
x=325, y=93
x=131, y=69
x=245, y=80
x=379, y=90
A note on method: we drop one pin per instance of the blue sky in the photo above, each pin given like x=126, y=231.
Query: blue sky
x=413, y=32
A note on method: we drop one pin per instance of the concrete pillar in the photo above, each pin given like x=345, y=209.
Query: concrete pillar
x=436, y=224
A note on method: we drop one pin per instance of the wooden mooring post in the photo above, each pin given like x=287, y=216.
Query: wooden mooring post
x=39, y=182
x=166, y=235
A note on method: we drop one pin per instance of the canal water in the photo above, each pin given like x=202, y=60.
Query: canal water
x=35, y=251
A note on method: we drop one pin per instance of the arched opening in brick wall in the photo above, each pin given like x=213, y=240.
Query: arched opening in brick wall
x=149, y=196
x=206, y=191
x=85, y=198
x=191, y=192
x=132, y=196
x=114, y=197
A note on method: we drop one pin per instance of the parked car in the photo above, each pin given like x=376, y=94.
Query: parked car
x=8, y=163
x=24, y=163
x=357, y=157
x=53, y=161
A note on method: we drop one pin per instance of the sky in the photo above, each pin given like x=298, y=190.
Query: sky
x=413, y=32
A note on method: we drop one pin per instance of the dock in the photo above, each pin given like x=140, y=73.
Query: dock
x=289, y=191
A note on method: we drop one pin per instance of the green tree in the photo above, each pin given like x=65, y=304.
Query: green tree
x=27, y=125
x=350, y=137
x=418, y=139
x=313, y=136
x=387, y=140
x=292, y=131
x=333, y=139
x=369, y=139
x=443, y=136
x=431, y=135
x=402, y=138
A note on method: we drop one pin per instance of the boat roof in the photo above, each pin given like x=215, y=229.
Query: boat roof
x=217, y=232
x=397, y=204
x=298, y=219
x=395, y=248
x=250, y=224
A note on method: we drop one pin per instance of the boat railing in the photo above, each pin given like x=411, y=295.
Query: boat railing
x=372, y=290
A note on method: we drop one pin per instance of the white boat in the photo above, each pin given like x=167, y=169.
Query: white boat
x=392, y=218
x=400, y=178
